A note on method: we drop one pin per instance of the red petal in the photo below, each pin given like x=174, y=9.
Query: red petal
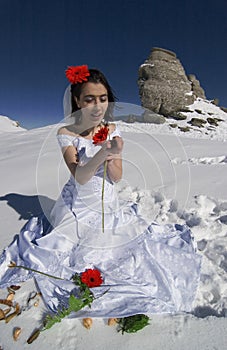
x=92, y=278
x=100, y=135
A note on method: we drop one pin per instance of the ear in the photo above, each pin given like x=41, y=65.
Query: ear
x=77, y=101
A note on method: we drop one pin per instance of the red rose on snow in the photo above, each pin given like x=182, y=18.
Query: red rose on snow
x=101, y=135
x=77, y=74
x=92, y=278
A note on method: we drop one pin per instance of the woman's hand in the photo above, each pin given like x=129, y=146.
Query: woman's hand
x=113, y=150
x=110, y=151
x=113, y=147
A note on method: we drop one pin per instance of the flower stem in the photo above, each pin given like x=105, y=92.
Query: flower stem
x=103, y=186
x=33, y=270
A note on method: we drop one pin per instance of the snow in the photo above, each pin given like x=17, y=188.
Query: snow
x=9, y=125
x=201, y=109
x=147, y=64
x=174, y=177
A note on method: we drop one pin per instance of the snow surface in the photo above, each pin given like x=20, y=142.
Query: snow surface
x=9, y=125
x=174, y=177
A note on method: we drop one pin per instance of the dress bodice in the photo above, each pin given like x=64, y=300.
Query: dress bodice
x=85, y=200
x=85, y=147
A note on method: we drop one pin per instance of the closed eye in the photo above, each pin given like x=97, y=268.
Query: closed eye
x=103, y=98
x=91, y=98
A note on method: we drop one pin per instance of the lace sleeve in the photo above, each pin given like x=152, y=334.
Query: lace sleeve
x=65, y=140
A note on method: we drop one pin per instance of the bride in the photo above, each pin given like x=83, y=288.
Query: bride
x=146, y=268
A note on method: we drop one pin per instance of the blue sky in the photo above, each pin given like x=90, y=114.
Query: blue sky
x=39, y=39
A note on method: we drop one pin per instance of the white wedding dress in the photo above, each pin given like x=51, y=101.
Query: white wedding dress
x=147, y=268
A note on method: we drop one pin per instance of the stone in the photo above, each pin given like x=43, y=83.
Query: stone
x=164, y=87
x=212, y=121
x=178, y=116
x=173, y=126
x=215, y=101
x=131, y=118
x=196, y=88
x=199, y=111
x=184, y=128
x=224, y=109
x=197, y=122
x=153, y=118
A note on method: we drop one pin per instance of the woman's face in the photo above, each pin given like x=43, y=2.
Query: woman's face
x=93, y=102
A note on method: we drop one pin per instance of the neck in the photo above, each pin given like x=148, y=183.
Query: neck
x=84, y=130
x=87, y=132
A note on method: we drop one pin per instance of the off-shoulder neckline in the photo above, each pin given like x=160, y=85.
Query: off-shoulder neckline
x=82, y=137
x=75, y=137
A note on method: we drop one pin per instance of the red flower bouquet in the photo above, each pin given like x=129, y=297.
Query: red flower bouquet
x=99, y=137
x=77, y=74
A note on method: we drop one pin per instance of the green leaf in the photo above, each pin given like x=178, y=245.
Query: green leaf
x=75, y=304
x=133, y=324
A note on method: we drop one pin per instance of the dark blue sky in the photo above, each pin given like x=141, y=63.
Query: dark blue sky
x=40, y=38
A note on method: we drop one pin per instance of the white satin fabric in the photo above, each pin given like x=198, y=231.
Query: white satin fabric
x=147, y=268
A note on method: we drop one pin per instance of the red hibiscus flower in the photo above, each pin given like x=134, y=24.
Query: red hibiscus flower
x=101, y=135
x=92, y=278
x=77, y=74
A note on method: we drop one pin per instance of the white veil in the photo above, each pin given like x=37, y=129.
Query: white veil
x=67, y=107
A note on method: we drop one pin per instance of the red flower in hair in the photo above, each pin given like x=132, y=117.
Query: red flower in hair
x=92, y=278
x=101, y=135
x=77, y=74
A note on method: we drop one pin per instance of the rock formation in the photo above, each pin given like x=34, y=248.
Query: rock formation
x=196, y=88
x=164, y=87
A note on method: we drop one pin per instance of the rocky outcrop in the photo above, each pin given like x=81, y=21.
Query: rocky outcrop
x=164, y=87
x=196, y=88
x=153, y=118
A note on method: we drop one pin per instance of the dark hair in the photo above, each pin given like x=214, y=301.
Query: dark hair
x=96, y=77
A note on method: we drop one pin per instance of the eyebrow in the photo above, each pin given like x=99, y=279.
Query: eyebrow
x=95, y=95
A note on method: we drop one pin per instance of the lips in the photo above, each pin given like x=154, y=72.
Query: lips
x=97, y=116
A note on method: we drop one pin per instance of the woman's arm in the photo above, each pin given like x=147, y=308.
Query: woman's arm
x=83, y=173
x=110, y=151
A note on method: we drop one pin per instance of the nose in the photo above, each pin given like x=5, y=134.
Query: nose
x=97, y=101
x=97, y=104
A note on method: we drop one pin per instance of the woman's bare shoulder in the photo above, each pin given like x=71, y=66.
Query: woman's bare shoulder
x=62, y=131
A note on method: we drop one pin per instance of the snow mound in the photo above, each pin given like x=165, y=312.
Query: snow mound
x=208, y=108
x=9, y=125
